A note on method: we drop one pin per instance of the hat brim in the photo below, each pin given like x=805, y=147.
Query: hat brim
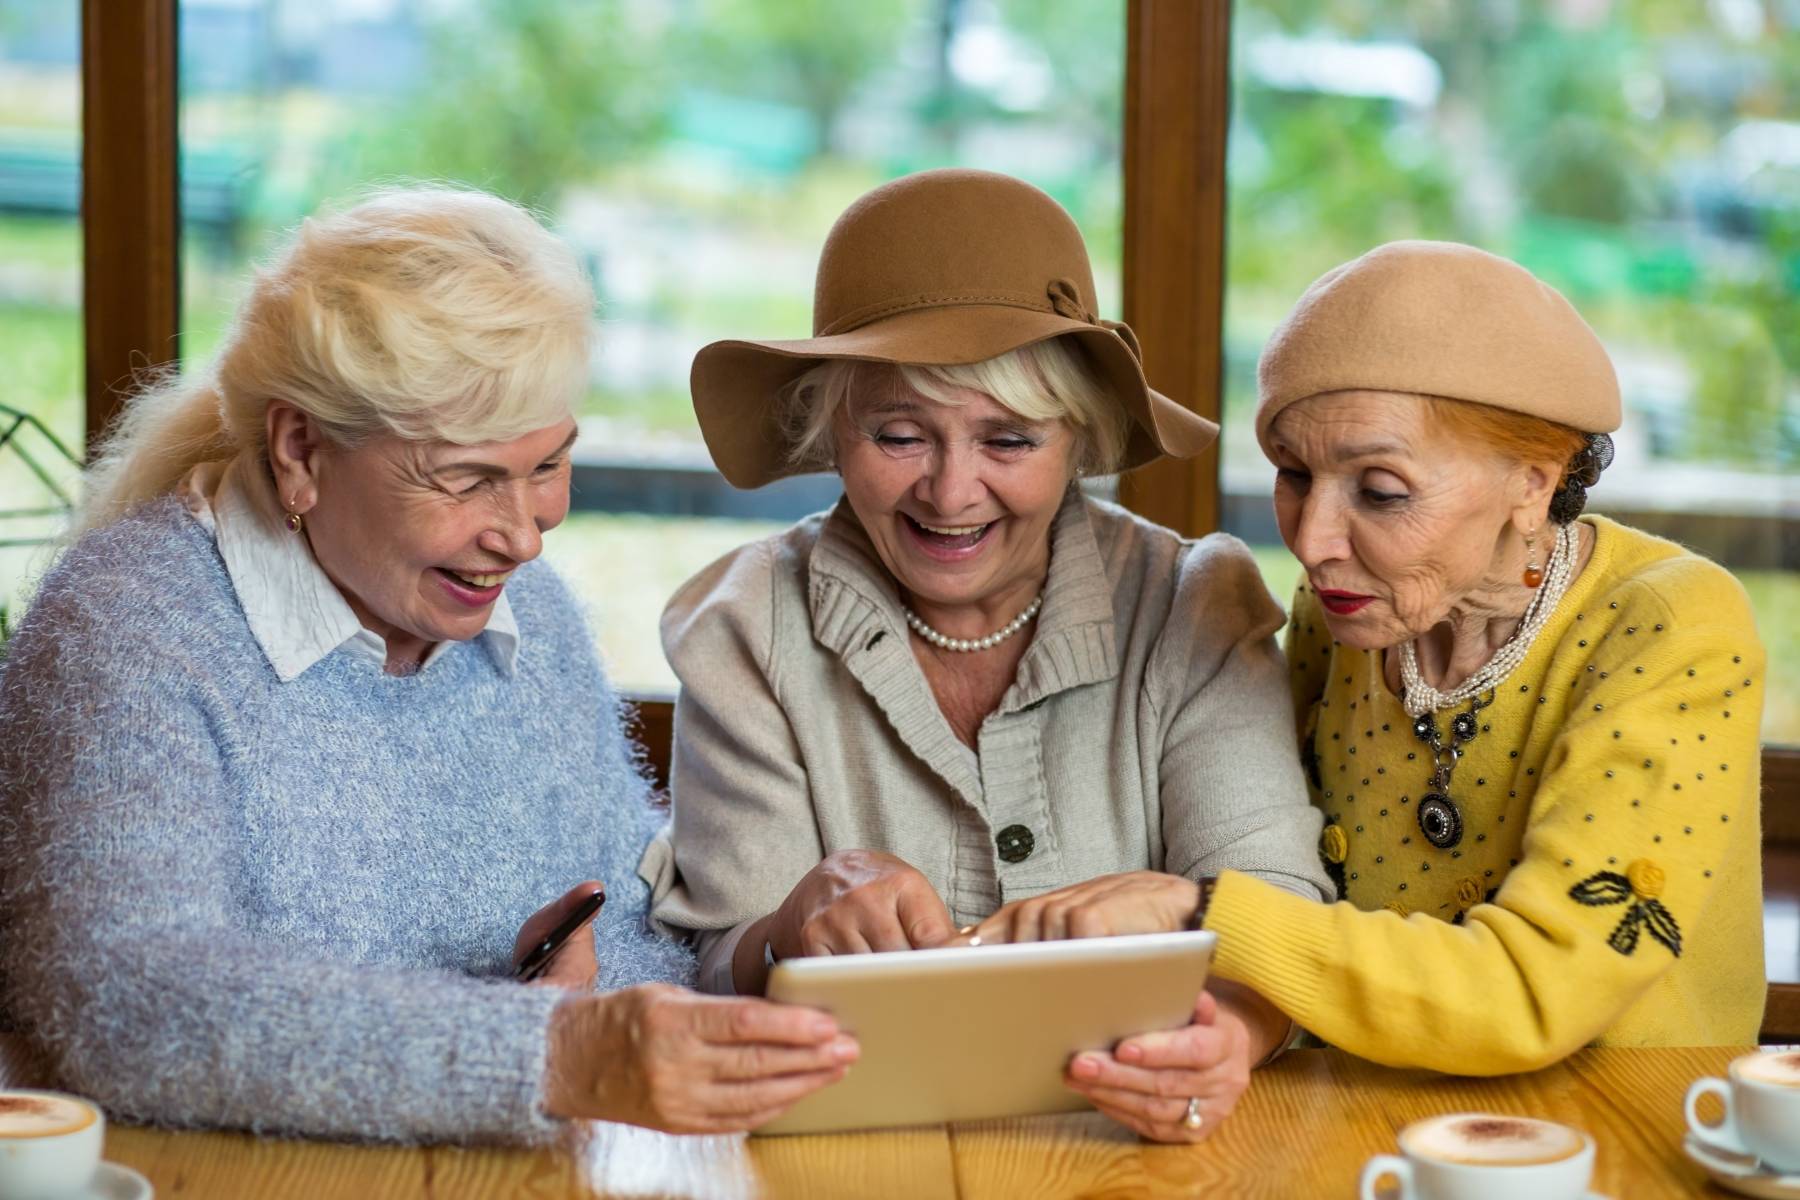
x=736, y=383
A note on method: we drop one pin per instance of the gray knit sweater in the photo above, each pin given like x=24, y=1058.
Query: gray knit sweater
x=225, y=900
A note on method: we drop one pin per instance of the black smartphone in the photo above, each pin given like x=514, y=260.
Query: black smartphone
x=537, y=959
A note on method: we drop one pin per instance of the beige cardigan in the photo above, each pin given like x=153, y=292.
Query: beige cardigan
x=1149, y=726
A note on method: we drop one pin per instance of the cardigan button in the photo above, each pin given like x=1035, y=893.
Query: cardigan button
x=1015, y=843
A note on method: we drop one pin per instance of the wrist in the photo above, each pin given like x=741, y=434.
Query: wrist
x=563, y=1095
x=1201, y=899
x=1266, y=1029
x=753, y=957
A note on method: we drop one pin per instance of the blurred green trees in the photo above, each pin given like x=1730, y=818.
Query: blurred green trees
x=1592, y=142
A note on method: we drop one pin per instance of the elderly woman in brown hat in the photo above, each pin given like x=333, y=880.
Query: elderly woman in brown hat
x=969, y=683
x=1533, y=737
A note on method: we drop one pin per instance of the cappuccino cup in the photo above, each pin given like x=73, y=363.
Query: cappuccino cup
x=1762, y=1108
x=49, y=1145
x=1479, y=1156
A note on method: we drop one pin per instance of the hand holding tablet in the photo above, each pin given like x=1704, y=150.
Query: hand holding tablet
x=953, y=1034
x=1171, y=1085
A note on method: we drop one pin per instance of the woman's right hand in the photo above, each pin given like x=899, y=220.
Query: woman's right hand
x=670, y=1059
x=856, y=901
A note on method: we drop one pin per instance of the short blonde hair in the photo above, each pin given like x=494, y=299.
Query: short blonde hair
x=428, y=313
x=1044, y=381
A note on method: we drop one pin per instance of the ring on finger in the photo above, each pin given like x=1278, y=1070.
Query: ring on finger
x=1192, y=1118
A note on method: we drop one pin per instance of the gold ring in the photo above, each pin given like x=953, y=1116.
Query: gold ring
x=1192, y=1119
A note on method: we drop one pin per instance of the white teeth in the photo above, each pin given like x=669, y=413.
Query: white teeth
x=950, y=530
x=481, y=581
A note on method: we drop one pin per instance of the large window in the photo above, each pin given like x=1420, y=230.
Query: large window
x=40, y=282
x=695, y=153
x=1643, y=158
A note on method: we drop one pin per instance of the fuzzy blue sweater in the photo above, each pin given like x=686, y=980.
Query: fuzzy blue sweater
x=229, y=901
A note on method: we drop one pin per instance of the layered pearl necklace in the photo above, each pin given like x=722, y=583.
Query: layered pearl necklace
x=1421, y=698
x=1440, y=817
x=964, y=645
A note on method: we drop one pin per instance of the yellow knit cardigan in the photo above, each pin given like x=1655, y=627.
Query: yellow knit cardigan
x=1608, y=885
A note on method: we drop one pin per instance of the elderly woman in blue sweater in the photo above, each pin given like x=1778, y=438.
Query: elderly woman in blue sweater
x=300, y=746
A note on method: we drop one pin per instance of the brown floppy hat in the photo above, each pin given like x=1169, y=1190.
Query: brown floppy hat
x=939, y=268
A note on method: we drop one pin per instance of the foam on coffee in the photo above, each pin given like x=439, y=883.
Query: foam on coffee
x=24, y=1115
x=1479, y=1139
x=1778, y=1067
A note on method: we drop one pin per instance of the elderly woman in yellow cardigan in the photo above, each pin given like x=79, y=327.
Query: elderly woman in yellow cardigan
x=1533, y=736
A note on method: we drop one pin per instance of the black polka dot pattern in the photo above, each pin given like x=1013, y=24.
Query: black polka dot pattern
x=1626, y=660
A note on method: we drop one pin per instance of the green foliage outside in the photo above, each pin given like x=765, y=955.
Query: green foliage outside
x=1572, y=147
x=1587, y=153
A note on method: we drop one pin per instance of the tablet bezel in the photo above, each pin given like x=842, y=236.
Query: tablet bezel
x=972, y=1033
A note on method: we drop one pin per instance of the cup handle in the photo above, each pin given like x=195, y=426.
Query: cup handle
x=1724, y=1135
x=1386, y=1164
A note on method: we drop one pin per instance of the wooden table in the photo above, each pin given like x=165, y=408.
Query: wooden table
x=1303, y=1131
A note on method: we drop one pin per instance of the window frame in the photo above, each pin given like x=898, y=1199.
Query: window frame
x=1177, y=108
x=1177, y=114
x=130, y=201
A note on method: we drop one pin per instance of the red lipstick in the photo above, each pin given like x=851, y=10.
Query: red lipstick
x=1342, y=604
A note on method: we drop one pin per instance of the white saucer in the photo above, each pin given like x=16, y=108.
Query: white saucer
x=1741, y=1173
x=115, y=1182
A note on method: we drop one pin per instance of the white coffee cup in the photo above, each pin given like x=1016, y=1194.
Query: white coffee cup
x=1762, y=1108
x=49, y=1145
x=1480, y=1156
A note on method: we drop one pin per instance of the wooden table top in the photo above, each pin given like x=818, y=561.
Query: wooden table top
x=1304, y=1129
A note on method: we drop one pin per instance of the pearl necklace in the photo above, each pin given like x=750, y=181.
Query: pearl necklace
x=1421, y=698
x=964, y=645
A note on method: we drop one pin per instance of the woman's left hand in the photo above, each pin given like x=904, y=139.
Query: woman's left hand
x=1146, y=1082
x=575, y=965
x=1106, y=906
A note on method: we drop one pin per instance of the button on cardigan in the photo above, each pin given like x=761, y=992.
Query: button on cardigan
x=1148, y=726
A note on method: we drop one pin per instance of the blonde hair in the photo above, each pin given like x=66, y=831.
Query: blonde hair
x=1044, y=381
x=427, y=313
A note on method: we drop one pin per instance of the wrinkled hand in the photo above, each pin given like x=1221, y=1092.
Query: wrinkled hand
x=1147, y=1080
x=1134, y=902
x=857, y=901
x=574, y=965
x=670, y=1059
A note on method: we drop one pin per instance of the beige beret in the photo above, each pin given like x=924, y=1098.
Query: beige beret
x=1440, y=319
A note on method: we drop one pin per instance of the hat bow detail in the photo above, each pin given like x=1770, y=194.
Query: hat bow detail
x=1066, y=302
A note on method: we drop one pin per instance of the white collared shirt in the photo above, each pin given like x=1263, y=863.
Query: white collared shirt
x=296, y=614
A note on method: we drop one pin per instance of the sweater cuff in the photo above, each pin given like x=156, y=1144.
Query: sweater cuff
x=1272, y=941
x=517, y=1077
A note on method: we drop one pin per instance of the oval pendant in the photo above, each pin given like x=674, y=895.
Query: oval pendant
x=1440, y=821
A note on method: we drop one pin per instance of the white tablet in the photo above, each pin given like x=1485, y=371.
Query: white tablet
x=962, y=1034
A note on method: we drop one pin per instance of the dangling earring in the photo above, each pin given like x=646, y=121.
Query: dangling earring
x=1534, y=575
x=294, y=523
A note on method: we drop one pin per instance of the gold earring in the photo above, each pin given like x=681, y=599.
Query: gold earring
x=294, y=523
x=1533, y=574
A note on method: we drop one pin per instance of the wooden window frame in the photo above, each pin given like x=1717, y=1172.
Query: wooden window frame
x=1177, y=113
x=130, y=199
x=1177, y=107
x=1177, y=110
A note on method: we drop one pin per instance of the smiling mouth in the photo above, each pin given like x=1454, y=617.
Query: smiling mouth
x=486, y=579
x=949, y=537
